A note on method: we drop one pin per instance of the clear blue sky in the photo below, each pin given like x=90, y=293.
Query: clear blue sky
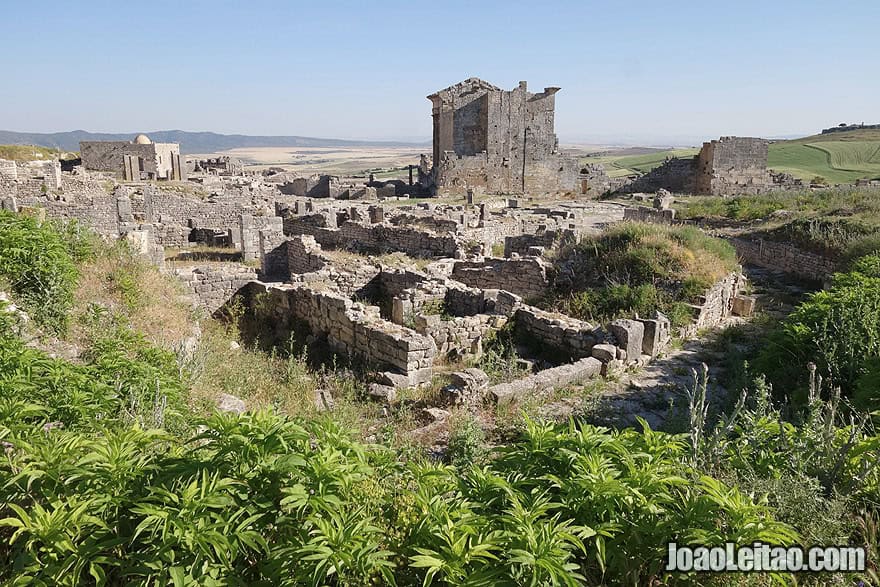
x=658, y=72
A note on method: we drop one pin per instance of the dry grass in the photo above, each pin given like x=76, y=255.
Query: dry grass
x=117, y=283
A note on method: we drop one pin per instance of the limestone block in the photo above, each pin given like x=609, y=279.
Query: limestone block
x=629, y=335
x=230, y=403
x=744, y=305
x=604, y=352
x=382, y=393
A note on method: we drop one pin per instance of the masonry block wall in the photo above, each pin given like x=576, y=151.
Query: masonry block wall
x=350, y=327
x=733, y=166
x=501, y=141
x=156, y=159
x=524, y=277
x=785, y=257
x=212, y=287
x=372, y=238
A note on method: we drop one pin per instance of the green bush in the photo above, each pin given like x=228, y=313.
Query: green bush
x=467, y=441
x=260, y=499
x=40, y=267
x=837, y=329
x=123, y=379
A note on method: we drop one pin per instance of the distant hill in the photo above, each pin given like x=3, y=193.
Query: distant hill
x=190, y=142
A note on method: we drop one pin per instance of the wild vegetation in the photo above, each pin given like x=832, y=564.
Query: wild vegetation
x=115, y=468
x=639, y=268
x=836, y=221
x=30, y=153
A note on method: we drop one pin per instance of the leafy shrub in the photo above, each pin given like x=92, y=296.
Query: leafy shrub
x=837, y=329
x=467, y=441
x=124, y=379
x=36, y=260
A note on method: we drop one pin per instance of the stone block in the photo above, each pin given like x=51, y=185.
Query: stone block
x=604, y=352
x=656, y=334
x=629, y=335
x=744, y=305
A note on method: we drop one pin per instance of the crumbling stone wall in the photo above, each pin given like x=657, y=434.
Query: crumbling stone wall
x=645, y=214
x=785, y=257
x=732, y=166
x=523, y=244
x=80, y=197
x=304, y=254
x=351, y=328
x=211, y=287
x=675, y=174
x=571, y=337
x=717, y=302
x=372, y=238
x=526, y=277
x=501, y=141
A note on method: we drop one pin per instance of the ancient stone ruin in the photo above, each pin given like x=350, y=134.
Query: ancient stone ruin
x=136, y=160
x=499, y=141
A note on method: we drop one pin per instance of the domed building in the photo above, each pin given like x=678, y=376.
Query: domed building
x=136, y=160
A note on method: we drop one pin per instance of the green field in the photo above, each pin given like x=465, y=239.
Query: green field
x=837, y=157
x=620, y=166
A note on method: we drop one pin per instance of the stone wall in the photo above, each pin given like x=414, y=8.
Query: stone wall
x=501, y=141
x=373, y=238
x=304, y=254
x=155, y=159
x=351, y=328
x=717, y=302
x=546, y=380
x=211, y=287
x=732, y=166
x=645, y=214
x=460, y=335
x=675, y=174
x=526, y=277
x=545, y=239
x=81, y=197
x=784, y=257
x=569, y=336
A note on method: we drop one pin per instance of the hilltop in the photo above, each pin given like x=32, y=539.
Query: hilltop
x=190, y=142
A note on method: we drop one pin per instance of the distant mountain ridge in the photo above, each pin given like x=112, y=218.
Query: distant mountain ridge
x=190, y=142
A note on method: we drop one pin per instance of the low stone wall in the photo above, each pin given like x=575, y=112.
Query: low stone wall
x=718, y=302
x=304, y=254
x=546, y=380
x=373, y=238
x=645, y=214
x=211, y=287
x=546, y=239
x=461, y=335
x=573, y=338
x=524, y=277
x=351, y=328
x=784, y=257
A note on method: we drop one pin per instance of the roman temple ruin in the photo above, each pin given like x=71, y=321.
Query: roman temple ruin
x=497, y=140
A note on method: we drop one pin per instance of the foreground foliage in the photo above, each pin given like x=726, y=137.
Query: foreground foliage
x=837, y=329
x=38, y=262
x=262, y=498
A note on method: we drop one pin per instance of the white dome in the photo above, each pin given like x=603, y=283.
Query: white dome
x=142, y=140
